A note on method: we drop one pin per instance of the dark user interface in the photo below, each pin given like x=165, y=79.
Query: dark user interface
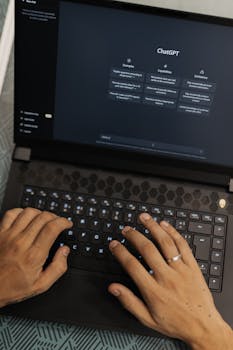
x=128, y=80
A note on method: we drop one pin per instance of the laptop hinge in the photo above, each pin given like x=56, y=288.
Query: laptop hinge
x=22, y=153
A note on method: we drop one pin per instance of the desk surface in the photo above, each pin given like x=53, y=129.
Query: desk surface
x=16, y=334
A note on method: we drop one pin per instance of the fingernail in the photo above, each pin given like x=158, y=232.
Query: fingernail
x=66, y=251
x=116, y=292
x=113, y=244
x=164, y=223
x=145, y=217
x=126, y=229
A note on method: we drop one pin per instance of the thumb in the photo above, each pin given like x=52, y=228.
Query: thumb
x=54, y=271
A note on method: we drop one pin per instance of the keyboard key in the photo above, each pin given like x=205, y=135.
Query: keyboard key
x=219, y=231
x=87, y=250
x=169, y=212
x=100, y=252
x=207, y=218
x=188, y=237
x=67, y=197
x=122, y=240
x=70, y=235
x=74, y=248
x=216, y=256
x=202, y=245
x=195, y=216
x=106, y=203
x=117, y=215
x=104, y=213
x=169, y=220
x=108, y=239
x=218, y=243
x=181, y=225
x=79, y=209
x=83, y=236
x=30, y=191
x=92, y=201
x=92, y=211
x=80, y=199
x=215, y=270
x=118, y=204
x=220, y=219
x=55, y=195
x=131, y=206
x=143, y=208
x=204, y=267
x=181, y=214
x=96, y=238
x=66, y=207
x=119, y=228
x=129, y=217
x=27, y=202
x=156, y=210
x=196, y=227
x=214, y=283
x=53, y=206
x=94, y=224
x=81, y=222
x=156, y=218
x=108, y=226
x=43, y=193
x=40, y=203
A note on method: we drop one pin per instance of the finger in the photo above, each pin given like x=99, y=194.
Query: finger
x=165, y=241
x=23, y=220
x=132, y=304
x=182, y=245
x=144, y=281
x=36, y=225
x=53, y=272
x=9, y=218
x=147, y=249
x=50, y=232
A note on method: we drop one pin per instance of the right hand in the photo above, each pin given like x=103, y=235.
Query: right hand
x=176, y=299
x=26, y=237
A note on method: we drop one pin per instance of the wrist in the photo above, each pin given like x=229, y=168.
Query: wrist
x=215, y=336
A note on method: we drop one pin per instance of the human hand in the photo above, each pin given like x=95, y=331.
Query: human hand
x=177, y=301
x=26, y=237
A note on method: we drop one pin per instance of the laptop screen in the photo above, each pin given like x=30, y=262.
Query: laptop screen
x=125, y=78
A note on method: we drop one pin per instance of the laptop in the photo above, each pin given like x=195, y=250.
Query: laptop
x=122, y=109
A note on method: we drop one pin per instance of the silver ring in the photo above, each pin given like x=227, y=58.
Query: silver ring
x=174, y=259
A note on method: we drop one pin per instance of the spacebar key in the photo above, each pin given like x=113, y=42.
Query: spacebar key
x=197, y=227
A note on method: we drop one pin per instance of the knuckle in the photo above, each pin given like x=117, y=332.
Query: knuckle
x=31, y=211
x=146, y=247
x=152, y=223
x=41, y=288
x=180, y=240
x=30, y=259
x=129, y=261
x=166, y=241
x=61, y=269
x=15, y=246
x=52, y=226
x=47, y=216
x=60, y=223
x=9, y=214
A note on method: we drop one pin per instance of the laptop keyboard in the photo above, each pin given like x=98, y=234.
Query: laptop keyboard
x=98, y=221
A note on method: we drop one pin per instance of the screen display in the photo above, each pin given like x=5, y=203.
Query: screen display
x=125, y=79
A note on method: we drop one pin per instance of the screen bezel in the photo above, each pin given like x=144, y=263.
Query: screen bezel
x=126, y=159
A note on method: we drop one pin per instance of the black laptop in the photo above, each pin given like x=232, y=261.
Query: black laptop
x=122, y=109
